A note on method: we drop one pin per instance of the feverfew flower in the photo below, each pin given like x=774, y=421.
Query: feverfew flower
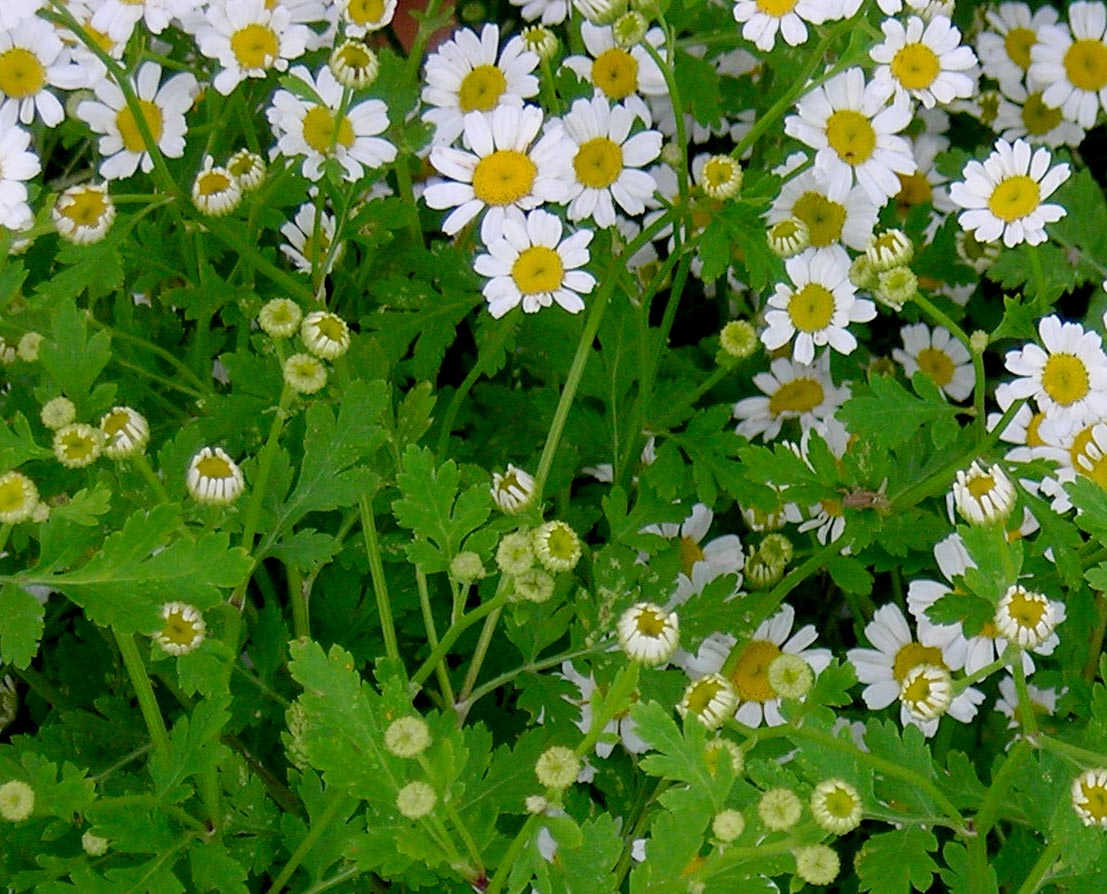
x=325, y=335
x=503, y=173
x=1066, y=376
x=32, y=60
x=816, y=309
x=615, y=71
x=1089, y=797
x=304, y=374
x=1023, y=113
x=512, y=491
x=215, y=191
x=117, y=18
x=853, y=130
x=606, y=159
x=836, y=806
x=327, y=130
x=464, y=75
x=1026, y=618
x=649, y=634
x=937, y=355
x=779, y=809
x=182, y=629
x=761, y=20
x=531, y=265
x=1072, y=61
x=924, y=60
x=214, y=478
x=1005, y=51
x=126, y=432
x=416, y=800
x=556, y=546
x=983, y=496
x=711, y=699
x=77, y=445
x=789, y=390
x=83, y=213
x=364, y=16
x=1003, y=196
x=18, y=498
x=17, y=165
x=163, y=108
x=557, y=767
x=354, y=64
x=249, y=38
x=407, y=737
x=248, y=168
x=17, y=801
x=817, y=864
x=926, y=692
x=280, y=318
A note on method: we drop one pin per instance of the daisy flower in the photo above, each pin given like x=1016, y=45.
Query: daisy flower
x=503, y=172
x=835, y=213
x=1003, y=196
x=883, y=669
x=17, y=166
x=758, y=700
x=33, y=59
x=163, y=108
x=648, y=633
x=322, y=131
x=249, y=39
x=84, y=213
x=213, y=478
x=816, y=308
x=215, y=191
x=614, y=71
x=1005, y=50
x=182, y=630
x=1066, y=376
x=1072, y=61
x=471, y=74
x=308, y=245
x=924, y=60
x=1023, y=113
x=789, y=390
x=853, y=130
x=937, y=355
x=762, y=19
x=606, y=159
x=532, y=265
x=364, y=16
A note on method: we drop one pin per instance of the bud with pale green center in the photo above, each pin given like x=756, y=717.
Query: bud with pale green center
x=629, y=29
x=895, y=287
x=737, y=341
x=789, y=237
x=467, y=568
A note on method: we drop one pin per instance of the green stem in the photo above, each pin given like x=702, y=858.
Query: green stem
x=376, y=572
x=440, y=670
x=1098, y=633
x=180, y=368
x=514, y=851
x=1039, y=274
x=301, y=619
x=315, y=832
x=140, y=680
x=666, y=68
x=1075, y=753
x=997, y=791
x=265, y=467
x=141, y=462
x=533, y=667
x=1026, y=706
x=443, y=647
x=483, y=642
x=337, y=879
x=1041, y=868
x=428, y=23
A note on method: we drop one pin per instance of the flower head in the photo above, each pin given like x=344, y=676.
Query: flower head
x=18, y=498
x=836, y=806
x=926, y=691
x=557, y=767
x=83, y=213
x=182, y=629
x=407, y=737
x=280, y=318
x=416, y=800
x=304, y=373
x=720, y=177
x=779, y=809
x=649, y=634
x=214, y=478
x=17, y=800
x=817, y=864
x=728, y=825
x=247, y=168
x=126, y=432
x=925, y=60
x=1089, y=797
x=512, y=491
x=77, y=445
x=937, y=355
x=983, y=497
x=325, y=335
x=711, y=699
x=354, y=64
x=216, y=191
x=1026, y=618
x=556, y=546
x=788, y=237
x=1004, y=196
x=1072, y=61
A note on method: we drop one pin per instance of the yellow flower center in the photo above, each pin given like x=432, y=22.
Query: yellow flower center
x=812, y=307
x=1037, y=117
x=650, y=623
x=1033, y=438
x=919, y=690
x=776, y=8
x=937, y=365
x=1017, y=43
x=690, y=554
x=615, y=72
x=1025, y=610
x=331, y=328
x=322, y=132
x=21, y=73
x=911, y=656
x=702, y=694
x=980, y=485
x=117, y=421
x=916, y=66
x=128, y=128
x=751, y=674
x=77, y=446
x=354, y=55
x=85, y=208
x=1014, y=198
x=800, y=395
x=481, y=89
x=214, y=467
x=1086, y=64
x=914, y=189
x=179, y=630
x=1065, y=378
x=504, y=177
x=598, y=163
x=12, y=494
x=1094, y=800
x=823, y=217
x=212, y=183
x=365, y=12
x=538, y=269
x=840, y=803
x=718, y=172
x=851, y=135
x=255, y=46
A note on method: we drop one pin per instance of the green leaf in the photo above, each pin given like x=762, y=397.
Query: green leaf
x=889, y=415
x=895, y=862
x=907, y=750
x=850, y=574
x=680, y=756
x=85, y=507
x=21, y=625
x=214, y=869
x=833, y=684
x=433, y=508
x=588, y=867
x=149, y=562
x=1020, y=317
x=961, y=877
x=97, y=268
x=1014, y=271
x=72, y=359
x=698, y=82
x=194, y=748
x=17, y=443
